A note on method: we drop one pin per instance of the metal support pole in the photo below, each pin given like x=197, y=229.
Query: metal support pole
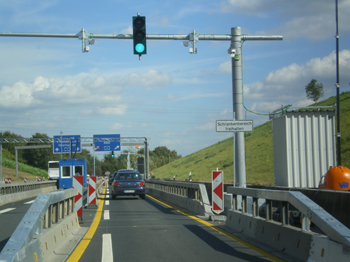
x=237, y=97
x=0, y=162
x=16, y=157
x=145, y=160
x=337, y=85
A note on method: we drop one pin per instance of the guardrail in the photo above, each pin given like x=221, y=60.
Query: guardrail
x=21, y=187
x=190, y=196
x=331, y=241
x=48, y=226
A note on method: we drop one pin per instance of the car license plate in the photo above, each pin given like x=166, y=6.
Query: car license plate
x=129, y=191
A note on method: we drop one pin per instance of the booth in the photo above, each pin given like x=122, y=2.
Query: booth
x=68, y=168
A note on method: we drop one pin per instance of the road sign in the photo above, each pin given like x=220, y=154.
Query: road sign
x=61, y=144
x=218, y=191
x=234, y=126
x=107, y=142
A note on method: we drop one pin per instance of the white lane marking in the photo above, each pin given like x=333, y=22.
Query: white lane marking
x=6, y=210
x=107, y=249
x=29, y=202
x=107, y=202
x=106, y=215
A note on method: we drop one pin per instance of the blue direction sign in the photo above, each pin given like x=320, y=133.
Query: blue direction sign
x=107, y=142
x=61, y=144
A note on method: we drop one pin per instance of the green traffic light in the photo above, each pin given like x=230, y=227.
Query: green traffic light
x=139, y=48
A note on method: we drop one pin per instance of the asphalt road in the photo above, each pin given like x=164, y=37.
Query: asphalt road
x=132, y=229
x=11, y=215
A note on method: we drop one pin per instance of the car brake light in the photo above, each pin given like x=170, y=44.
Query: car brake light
x=142, y=183
x=116, y=184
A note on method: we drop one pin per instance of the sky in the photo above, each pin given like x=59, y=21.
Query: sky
x=172, y=97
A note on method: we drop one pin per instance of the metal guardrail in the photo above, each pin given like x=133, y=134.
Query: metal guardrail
x=46, y=210
x=191, y=196
x=21, y=187
x=310, y=210
x=189, y=190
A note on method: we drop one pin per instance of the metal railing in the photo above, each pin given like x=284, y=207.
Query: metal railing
x=189, y=190
x=22, y=187
x=309, y=210
x=46, y=210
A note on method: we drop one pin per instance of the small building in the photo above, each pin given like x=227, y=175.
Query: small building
x=304, y=146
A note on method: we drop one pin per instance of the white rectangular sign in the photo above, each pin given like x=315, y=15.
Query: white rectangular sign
x=234, y=126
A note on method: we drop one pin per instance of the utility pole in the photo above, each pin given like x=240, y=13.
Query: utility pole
x=235, y=51
x=337, y=85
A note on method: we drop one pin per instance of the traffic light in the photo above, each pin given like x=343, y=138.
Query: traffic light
x=139, y=35
x=112, y=153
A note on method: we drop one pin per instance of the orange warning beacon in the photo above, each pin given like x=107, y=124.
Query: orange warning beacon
x=337, y=178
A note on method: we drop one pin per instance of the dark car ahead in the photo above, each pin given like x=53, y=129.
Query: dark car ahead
x=128, y=183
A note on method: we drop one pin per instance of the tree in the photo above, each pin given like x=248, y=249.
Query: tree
x=38, y=157
x=314, y=90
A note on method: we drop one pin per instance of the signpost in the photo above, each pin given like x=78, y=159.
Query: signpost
x=66, y=144
x=218, y=191
x=106, y=142
x=234, y=126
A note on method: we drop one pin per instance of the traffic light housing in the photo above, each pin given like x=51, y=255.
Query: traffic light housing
x=139, y=35
x=112, y=153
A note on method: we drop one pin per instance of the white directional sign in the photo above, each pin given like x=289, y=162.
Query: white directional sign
x=234, y=126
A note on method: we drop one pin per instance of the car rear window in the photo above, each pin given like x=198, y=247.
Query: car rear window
x=129, y=176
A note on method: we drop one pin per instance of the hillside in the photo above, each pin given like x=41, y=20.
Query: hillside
x=258, y=149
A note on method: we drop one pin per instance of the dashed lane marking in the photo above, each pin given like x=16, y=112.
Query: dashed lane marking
x=6, y=210
x=106, y=215
x=107, y=248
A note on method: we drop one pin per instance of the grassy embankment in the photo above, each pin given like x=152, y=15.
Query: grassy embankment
x=24, y=171
x=258, y=150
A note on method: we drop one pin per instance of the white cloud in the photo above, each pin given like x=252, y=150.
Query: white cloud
x=287, y=85
x=173, y=97
x=226, y=112
x=127, y=30
x=79, y=90
x=225, y=67
x=312, y=19
x=149, y=80
x=118, y=110
x=116, y=126
x=207, y=126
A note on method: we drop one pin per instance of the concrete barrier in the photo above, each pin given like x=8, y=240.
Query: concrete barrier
x=57, y=243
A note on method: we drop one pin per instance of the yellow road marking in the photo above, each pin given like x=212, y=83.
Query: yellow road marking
x=80, y=249
x=251, y=246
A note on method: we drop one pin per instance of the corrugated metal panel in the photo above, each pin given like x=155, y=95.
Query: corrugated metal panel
x=304, y=147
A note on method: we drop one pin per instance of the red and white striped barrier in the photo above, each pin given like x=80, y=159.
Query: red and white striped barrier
x=25, y=180
x=8, y=180
x=103, y=180
x=38, y=179
x=78, y=184
x=218, y=191
x=92, y=191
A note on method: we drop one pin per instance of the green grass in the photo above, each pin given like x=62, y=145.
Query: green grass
x=25, y=168
x=258, y=151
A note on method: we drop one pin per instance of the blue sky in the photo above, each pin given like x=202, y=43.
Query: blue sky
x=171, y=97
